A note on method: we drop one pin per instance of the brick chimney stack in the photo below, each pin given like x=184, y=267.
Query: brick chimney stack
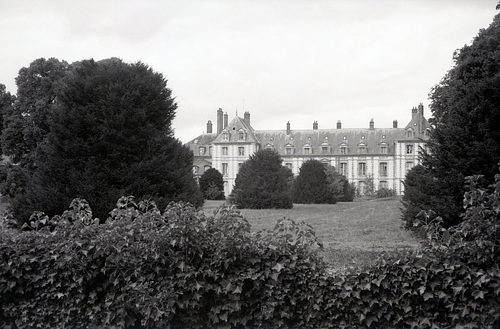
x=247, y=117
x=315, y=125
x=209, y=127
x=372, y=124
x=288, y=131
x=339, y=124
x=395, y=124
x=220, y=121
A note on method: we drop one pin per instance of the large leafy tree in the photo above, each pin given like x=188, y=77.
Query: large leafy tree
x=311, y=185
x=109, y=134
x=6, y=102
x=263, y=183
x=465, y=134
x=212, y=184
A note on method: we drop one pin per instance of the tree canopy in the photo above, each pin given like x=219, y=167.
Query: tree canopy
x=311, y=185
x=465, y=134
x=101, y=131
x=262, y=182
x=212, y=184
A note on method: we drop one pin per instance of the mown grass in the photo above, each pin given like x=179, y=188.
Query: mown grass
x=353, y=233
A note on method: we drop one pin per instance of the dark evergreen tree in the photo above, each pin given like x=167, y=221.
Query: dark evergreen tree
x=465, y=134
x=263, y=183
x=311, y=185
x=212, y=184
x=6, y=102
x=338, y=185
x=109, y=135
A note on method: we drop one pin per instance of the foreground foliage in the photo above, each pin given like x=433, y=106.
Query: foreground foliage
x=179, y=268
x=464, y=137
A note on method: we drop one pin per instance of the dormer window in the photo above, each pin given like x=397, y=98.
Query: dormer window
x=325, y=148
x=343, y=149
x=225, y=136
x=289, y=149
x=202, y=150
x=384, y=149
x=362, y=149
x=307, y=149
x=409, y=133
x=241, y=135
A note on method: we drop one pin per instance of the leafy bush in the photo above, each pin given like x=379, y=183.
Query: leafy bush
x=212, y=184
x=180, y=268
x=385, y=193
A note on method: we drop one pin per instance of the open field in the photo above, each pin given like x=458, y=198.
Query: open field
x=353, y=233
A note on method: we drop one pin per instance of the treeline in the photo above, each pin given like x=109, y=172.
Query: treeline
x=92, y=130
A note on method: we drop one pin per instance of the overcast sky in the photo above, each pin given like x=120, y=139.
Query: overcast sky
x=281, y=60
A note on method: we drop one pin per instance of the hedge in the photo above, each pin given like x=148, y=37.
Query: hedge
x=144, y=268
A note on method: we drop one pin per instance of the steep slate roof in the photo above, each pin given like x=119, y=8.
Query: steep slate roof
x=233, y=128
x=334, y=138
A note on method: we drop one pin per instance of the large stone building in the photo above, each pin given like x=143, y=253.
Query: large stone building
x=383, y=155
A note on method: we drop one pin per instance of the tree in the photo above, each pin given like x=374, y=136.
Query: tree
x=212, y=184
x=6, y=101
x=262, y=182
x=109, y=135
x=464, y=138
x=339, y=186
x=311, y=185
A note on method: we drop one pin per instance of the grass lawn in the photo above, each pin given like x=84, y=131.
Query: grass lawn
x=353, y=233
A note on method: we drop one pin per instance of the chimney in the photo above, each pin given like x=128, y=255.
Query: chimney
x=372, y=124
x=395, y=124
x=315, y=125
x=413, y=111
x=421, y=109
x=247, y=117
x=209, y=127
x=219, y=121
x=288, y=128
x=339, y=124
x=225, y=120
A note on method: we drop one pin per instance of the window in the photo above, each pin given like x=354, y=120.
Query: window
x=362, y=149
x=289, y=165
x=289, y=150
x=361, y=169
x=383, y=148
x=343, y=168
x=409, y=149
x=383, y=169
x=224, y=168
x=409, y=165
x=224, y=150
x=241, y=135
x=195, y=170
x=409, y=133
x=343, y=149
x=241, y=151
x=206, y=167
x=324, y=149
x=225, y=136
x=239, y=165
x=383, y=184
x=307, y=150
x=210, y=150
x=202, y=150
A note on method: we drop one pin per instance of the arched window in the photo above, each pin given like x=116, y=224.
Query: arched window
x=362, y=149
x=241, y=135
x=409, y=133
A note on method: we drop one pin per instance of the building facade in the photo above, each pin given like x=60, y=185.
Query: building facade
x=383, y=155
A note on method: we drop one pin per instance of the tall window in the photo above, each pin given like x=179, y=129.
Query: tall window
x=241, y=150
x=307, y=150
x=362, y=169
x=289, y=165
x=195, y=170
x=409, y=149
x=343, y=149
x=343, y=168
x=383, y=148
x=202, y=150
x=409, y=133
x=225, y=136
x=383, y=169
x=224, y=150
x=224, y=168
x=289, y=150
x=241, y=135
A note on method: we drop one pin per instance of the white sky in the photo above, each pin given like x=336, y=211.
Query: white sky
x=281, y=60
